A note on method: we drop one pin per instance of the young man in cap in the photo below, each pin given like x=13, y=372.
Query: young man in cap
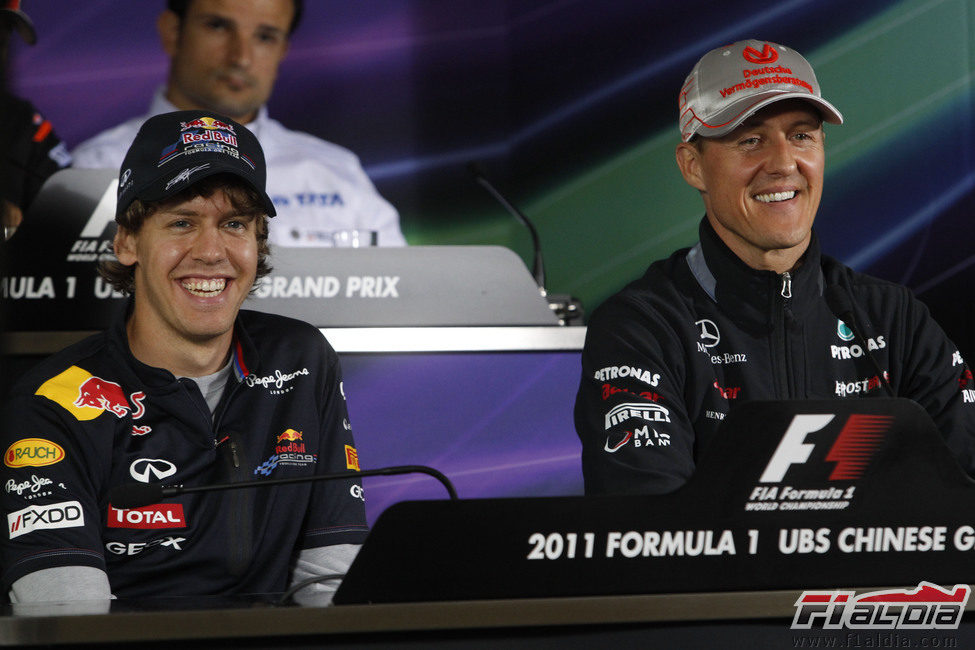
x=185, y=389
x=743, y=314
x=224, y=57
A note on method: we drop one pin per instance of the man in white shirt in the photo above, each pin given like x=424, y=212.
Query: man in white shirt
x=224, y=57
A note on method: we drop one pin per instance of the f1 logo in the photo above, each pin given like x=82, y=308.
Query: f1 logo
x=792, y=448
x=852, y=451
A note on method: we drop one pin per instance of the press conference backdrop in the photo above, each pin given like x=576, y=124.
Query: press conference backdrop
x=571, y=106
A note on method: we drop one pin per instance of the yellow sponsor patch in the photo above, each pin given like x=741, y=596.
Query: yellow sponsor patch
x=33, y=452
x=351, y=458
x=65, y=388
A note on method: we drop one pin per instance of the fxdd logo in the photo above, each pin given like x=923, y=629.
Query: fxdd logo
x=151, y=469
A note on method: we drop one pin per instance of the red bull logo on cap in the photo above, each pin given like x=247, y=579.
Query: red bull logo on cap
x=206, y=123
x=86, y=396
x=209, y=136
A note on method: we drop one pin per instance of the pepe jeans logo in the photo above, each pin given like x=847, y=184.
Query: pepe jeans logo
x=276, y=383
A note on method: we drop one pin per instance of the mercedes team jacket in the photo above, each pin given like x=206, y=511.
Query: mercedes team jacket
x=670, y=355
x=92, y=417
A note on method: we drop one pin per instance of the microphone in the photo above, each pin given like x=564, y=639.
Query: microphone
x=136, y=495
x=538, y=266
x=839, y=302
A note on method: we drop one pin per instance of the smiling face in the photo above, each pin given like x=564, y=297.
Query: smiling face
x=194, y=262
x=225, y=54
x=762, y=183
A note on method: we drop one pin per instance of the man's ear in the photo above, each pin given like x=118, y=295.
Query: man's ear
x=689, y=163
x=168, y=25
x=124, y=245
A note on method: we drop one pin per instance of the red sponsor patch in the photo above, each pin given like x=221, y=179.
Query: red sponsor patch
x=160, y=515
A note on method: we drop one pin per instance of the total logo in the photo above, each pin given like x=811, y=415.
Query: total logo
x=160, y=515
x=642, y=438
x=87, y=396
x=148, y=470
x=135, y=548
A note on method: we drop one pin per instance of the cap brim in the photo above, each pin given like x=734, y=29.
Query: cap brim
x=22, y=22
x=158, y=190
x=731, y=118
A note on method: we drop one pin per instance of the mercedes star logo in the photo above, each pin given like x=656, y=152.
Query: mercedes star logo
x=709, y=333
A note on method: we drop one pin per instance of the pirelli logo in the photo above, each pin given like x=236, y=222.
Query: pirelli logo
x=649, y=412
x=351, y=458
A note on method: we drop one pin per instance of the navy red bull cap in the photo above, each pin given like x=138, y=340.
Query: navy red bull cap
x=173, y=151
x=731, y=83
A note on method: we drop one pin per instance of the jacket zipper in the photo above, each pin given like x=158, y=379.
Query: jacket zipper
x=784, y=379
x=239, y=514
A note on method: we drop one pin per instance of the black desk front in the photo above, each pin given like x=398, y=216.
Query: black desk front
x=704, y=620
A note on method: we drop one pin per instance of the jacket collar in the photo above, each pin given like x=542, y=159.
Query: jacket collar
x=746, y=295
x=243, y=353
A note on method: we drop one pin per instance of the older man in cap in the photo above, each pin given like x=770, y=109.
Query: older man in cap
x=186, y=389
x=750, y=311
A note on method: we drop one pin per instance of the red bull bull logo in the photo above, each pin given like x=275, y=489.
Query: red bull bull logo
x=206, y=123
x=290, y=435
x=86, y=396
x=33, y=452
x=293, y=440
x=103, y=394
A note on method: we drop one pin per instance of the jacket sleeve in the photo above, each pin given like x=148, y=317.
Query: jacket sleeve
x=936, y=376
x=631, y=411
x=51, y=481
x=337, y=511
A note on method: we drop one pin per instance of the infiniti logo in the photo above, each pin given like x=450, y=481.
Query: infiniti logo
x=147, y=469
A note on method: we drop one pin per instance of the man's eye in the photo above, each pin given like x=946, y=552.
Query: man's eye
x=216, y=24
x=271, y=38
